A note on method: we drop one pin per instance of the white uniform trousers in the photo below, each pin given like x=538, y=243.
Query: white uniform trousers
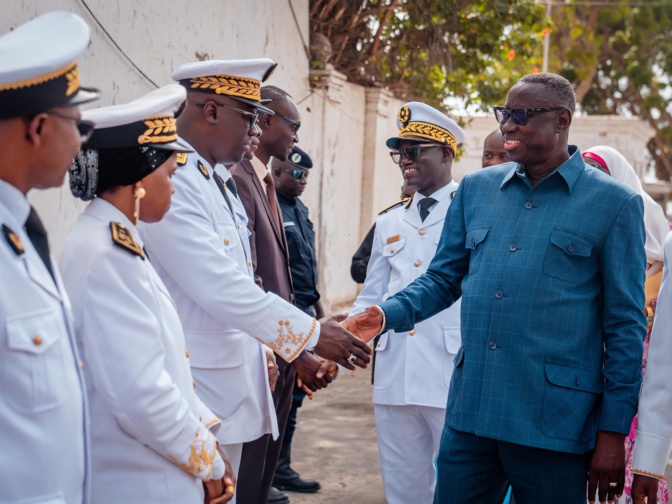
x=408, y=442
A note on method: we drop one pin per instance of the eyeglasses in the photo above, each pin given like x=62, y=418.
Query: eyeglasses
x=295, y=125
x=296, y=174
x=519, y=115
x=85, y=128
x=250, y=116
x=411, y=153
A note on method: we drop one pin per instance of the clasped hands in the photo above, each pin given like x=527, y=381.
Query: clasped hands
x=218, y=491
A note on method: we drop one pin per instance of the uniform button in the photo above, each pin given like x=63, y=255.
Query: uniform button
x=411, y=332
x=238, y=226
x=226, y=241
x=513, y=247
x=416, y=264
x=577, y=382
x=291, y=297
x=492, y=345
x=528, y=205
x=193, y=382
x=422, y=232
x=80, y=363
x=249, y=263
x=186, y=353
x=499, y=294
x=37, y=340
x=378, y=345
x=571, y=248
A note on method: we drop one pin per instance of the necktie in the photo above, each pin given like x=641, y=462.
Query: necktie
x=272, y=199
x=38, y=236
x=231, y=184
x=222, y=188
x=424, y=205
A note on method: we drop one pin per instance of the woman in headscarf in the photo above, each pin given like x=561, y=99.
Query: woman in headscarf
x=613, y=163
x=152, y=439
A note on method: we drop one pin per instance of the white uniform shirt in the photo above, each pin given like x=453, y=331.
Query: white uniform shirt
x=43, y=438
x=149, y=432
x=654, y=430
x=412, y=367
x=201, y=250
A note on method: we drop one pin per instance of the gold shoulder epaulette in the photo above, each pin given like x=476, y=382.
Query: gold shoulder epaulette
x=203, y=170
x=13, y=240
x=392, y=207
x=122, y=237
x=182, y=158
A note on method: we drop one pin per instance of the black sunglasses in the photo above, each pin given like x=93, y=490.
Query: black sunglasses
x=295, y=125
x=85, y=128
x=250, y=116
x=296, y=174
x=519, y=114
x=411, y=153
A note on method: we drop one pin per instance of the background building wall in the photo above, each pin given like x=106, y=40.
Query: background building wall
x=344, y=125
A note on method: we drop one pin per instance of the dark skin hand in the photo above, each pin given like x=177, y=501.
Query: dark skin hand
x=366, y=325
x=607, y=465
x=643, y=488
x=337, y=344
x=273, y=371
x=309, y=370
x=327, y=368
x=221, y=490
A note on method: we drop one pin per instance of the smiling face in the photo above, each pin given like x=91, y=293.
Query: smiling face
x=542, y=142
x=430, y=171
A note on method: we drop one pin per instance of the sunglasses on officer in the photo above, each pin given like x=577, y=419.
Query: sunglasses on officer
x=519, y=115
x=251, y=117
x=297, y=174
x=411, y=153
x=84, y=127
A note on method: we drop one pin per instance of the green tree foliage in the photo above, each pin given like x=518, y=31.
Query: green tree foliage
x=433, y=49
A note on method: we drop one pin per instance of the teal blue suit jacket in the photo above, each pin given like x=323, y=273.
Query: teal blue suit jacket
x=552, y=286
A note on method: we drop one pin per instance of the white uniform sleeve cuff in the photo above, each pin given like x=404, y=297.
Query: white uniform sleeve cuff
x=651, y=454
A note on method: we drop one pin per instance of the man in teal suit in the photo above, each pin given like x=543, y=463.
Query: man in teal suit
x=548, y=256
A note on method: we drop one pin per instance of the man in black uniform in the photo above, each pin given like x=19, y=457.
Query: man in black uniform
x=291, y=178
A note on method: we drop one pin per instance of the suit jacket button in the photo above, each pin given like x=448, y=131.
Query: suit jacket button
x=37, y=340
x=571, y=248
x=411, y=332
x=291, y=296
x=492, y=345
x=528, y=205
x=499, y=294
x=577, y=382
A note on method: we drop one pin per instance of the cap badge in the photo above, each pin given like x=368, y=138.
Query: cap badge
x=182, y=158
x=122, y=237
x=404, y=115
x=13, y=240
x=160, y=129
x=203, y=170
x=229, y=85
x=295, y=158
x=72, y=77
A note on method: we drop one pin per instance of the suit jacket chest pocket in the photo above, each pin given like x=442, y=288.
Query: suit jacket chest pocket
x=475, y=242
x=568, y=257
x=35, y=364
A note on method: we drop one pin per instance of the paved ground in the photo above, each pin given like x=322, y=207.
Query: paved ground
x=335, y=443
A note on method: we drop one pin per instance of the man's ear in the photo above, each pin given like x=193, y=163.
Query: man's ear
x=210, y=112
x=34, y=129
x=448, y=154
x=564, y=120
x=265, y=120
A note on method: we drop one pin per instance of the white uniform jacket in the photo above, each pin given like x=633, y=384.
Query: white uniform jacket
x=412, y=367
x=654, y=430
x=43, y=422
x=201, y=250
x=149, y=440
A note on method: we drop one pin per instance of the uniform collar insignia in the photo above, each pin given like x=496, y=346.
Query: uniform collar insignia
x=13, y=240
x=122, y=237
x=182, y=158
x=203, y=170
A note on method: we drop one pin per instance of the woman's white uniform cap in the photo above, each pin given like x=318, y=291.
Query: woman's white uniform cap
x=420, y=122
x=237, y=79
x=148, y=121
x=38, y=71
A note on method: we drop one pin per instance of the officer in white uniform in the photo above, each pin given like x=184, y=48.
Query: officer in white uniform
x=413, y=369
x=653, y=443
x=152, y=438
x=43, y=419
x=201, y=251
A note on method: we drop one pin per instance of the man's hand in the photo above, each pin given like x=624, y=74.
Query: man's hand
x=643, y=488
x=309, y=370
x=273, y=371
x=337, y=344
x=327, y=368
x=607, y=467
x=221, y=490
x=366, y=325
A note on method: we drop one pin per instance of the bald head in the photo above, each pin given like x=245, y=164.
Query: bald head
x=493, y=150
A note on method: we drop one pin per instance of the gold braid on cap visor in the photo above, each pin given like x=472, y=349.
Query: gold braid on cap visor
x=160, y=129
x=229, y=85
x=69, y=71
x=428, y=131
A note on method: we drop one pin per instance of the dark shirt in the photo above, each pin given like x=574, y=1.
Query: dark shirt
x=301, y=243
x=360, y=261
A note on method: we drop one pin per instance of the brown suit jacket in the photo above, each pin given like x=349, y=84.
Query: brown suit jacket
x=270, y=255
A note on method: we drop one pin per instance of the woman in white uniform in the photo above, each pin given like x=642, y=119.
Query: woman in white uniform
x=152, y=439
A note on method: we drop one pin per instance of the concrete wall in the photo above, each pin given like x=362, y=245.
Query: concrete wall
x=344, y=126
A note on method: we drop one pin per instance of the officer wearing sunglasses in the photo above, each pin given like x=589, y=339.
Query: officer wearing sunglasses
x=547, y=256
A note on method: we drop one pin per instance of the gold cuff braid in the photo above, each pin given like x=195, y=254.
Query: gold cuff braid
x=647, y=473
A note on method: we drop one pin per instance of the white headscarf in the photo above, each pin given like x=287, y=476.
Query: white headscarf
x=655, y=222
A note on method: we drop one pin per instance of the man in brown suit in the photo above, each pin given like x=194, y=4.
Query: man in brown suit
x=270, y=258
